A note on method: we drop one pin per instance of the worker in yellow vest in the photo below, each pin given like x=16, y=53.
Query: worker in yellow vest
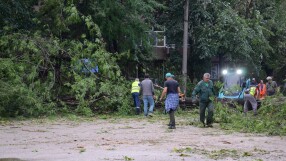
x=254, y=91
x=249, y=99
x=135, y=94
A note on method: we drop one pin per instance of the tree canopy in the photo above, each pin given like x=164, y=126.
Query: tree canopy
x=45, y=46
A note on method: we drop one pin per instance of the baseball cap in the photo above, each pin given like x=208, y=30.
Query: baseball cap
x=169, y=75
x=268, y=78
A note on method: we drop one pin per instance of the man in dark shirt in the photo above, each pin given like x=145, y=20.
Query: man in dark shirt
x=172, y=89
x=253, y=82
x=205, y=90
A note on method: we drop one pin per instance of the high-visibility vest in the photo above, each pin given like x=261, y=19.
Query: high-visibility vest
x=262, y=90
x=135, y=87
x=252, y=91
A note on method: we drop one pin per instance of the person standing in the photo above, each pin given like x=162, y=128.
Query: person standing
x=262, y=90
x=172, y=90
x=135, y=89
x=205, y=90
x=147, y=89
x=271, y=86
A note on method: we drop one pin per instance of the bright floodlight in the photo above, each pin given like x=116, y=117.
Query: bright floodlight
x=239, y=71
x=224, y=72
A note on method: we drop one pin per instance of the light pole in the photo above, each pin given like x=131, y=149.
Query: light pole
x=185, y=45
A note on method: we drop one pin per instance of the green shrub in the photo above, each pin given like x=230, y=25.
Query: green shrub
x=20, y=98
x=35, y=83
x=270, y=119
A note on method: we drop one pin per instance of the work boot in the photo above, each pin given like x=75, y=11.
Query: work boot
x=172, y=127
x=137, y=112
x=204, y=124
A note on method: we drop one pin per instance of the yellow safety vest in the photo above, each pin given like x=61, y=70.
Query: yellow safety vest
x=135, y=87
x=252, y=91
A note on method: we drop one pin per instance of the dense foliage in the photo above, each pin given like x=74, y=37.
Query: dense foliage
x=43, y=46
x=270, y=118
x=251, y=33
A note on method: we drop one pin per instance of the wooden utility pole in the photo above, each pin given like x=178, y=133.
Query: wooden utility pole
x=185, y=45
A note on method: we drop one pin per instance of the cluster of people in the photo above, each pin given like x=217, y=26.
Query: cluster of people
x=258, y=91
x=204, y=90
x=171, y=90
